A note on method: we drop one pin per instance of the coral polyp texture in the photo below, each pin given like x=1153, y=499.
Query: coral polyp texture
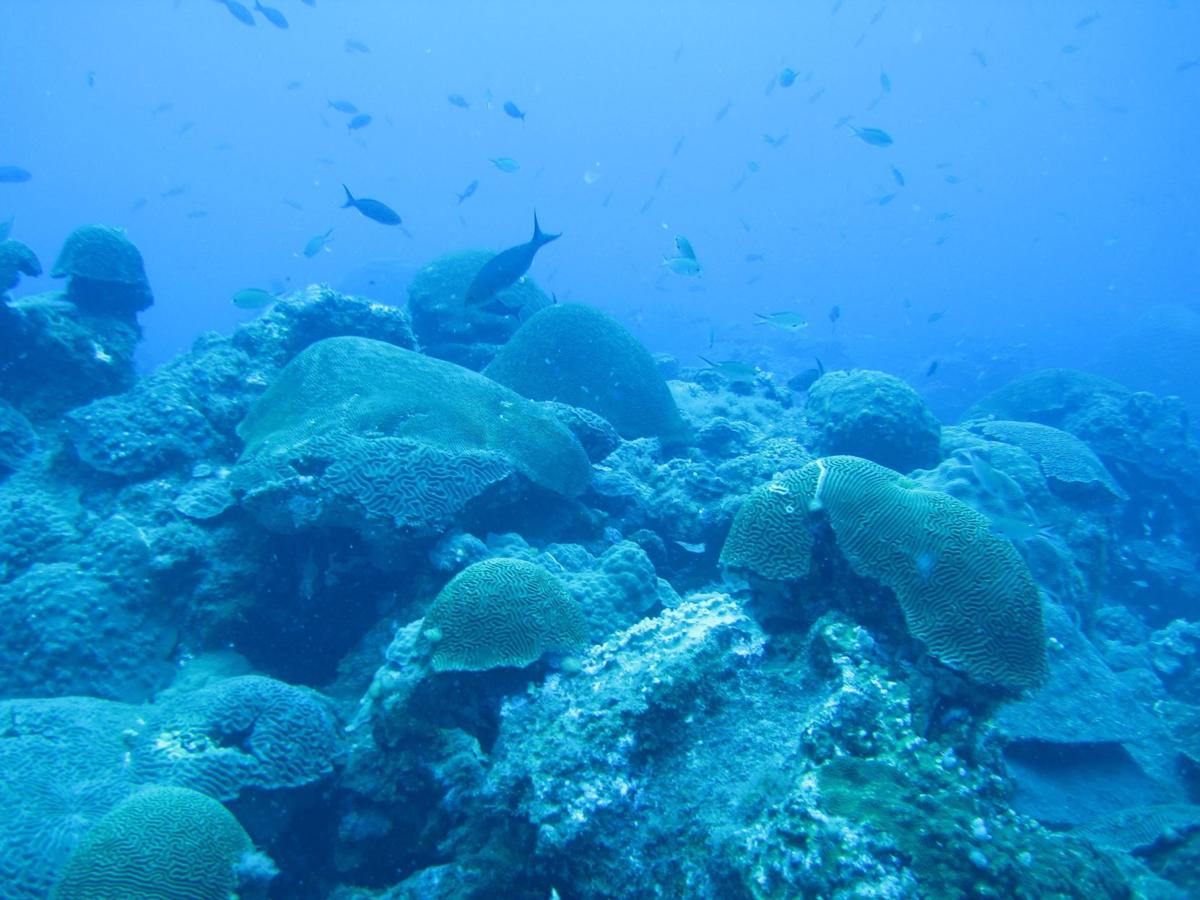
x=502, y=612
x=16, y=260
x=578, y=355
x=106, y=271
x=873, y=415
x=965, y=593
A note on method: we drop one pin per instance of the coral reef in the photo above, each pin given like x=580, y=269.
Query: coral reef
x=502, y=612
x=107, y=276
x=579, y=356
x=16, y=260
x=873, y=415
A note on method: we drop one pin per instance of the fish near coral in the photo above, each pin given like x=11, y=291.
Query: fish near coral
x=503, y=269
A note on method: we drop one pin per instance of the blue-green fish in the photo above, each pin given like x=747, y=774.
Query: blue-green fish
x=253, y=298
x=787, y=78
x=459, y=100
x=685, y=263
x=876, y=137
x=505, y=164
x=503, y=269
x=343, y=106
x=372, y=209
x=898, y=176
x=512, y=110
x=469, y=191
x=316, y=244
x=354, y=46
x=362, y=120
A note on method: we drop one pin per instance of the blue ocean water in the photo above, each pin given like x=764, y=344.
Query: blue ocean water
x=956, y=241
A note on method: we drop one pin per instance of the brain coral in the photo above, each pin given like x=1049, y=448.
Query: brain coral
x=168, y=843
x=450, y=329
x=1061, y=455
x=873, y=415
x=106, y=270
x=575, y=354
x=502, y=612
x=361, y=386
x=964, y=592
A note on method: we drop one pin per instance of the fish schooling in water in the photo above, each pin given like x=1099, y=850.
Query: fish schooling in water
x=512, y=110
x=374, y=210
x=362, y=120
x=503, y=269
x=469, y=191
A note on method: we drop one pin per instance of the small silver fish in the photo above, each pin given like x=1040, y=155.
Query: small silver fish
x=784, y=321
x=732, y=370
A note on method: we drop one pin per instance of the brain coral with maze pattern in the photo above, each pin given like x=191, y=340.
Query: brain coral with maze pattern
x=354, y=430
x=502, y=612
x=964, y=592
x=166, y=843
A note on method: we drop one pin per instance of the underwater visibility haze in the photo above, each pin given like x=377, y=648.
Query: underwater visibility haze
x=579, y=450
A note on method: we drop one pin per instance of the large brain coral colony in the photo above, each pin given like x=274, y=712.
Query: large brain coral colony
x=965, y=593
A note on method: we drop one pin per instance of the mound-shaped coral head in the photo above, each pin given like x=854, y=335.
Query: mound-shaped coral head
x=106, y=271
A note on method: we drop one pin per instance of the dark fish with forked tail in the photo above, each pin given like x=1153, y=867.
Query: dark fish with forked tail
x=374, y=210
x=503, y=269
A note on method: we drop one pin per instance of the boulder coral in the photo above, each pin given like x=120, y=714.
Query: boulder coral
x=106, y=271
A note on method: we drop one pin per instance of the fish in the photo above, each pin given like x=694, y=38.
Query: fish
x=841, y=121
x=876, y=137
x=816, y=95
x=898, y=176
x=933, y=367
x=1187, y=64
x=820, y=365
x=311, y=3
x=886, y=199
x=342, y=106
x=804, y=380
x=292, y=204
x=6, y=228
x=14, y=175
x=505, y=164
x=91, y=79
x=293, y=85
x=1014, y=529
x=885, y=81
x=685, y=263
x=787, y=78
x=952, y=179
x=163, y=107
x=316, y=244
x=272, y=15
x=177, y=191
x=362, y=120
x=677, y=146
x=943, y=217
x=723, y=111
x=198, y=214
x=1068, y=48
x=139, y=203
x=468, y=191
x=372, y=209
x=458, y=100
x=507, y=266
x=253, y=298
x=775, y=141
x=835, y=313
x=754, y=257
x=980, y=58
x=692, y=548
x=1087, y=20
x=185, y=127
x=239, y=12
x=733, y=370
x=353, y=46
x=935, y=316
x=513, y=111
x=784, y=321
